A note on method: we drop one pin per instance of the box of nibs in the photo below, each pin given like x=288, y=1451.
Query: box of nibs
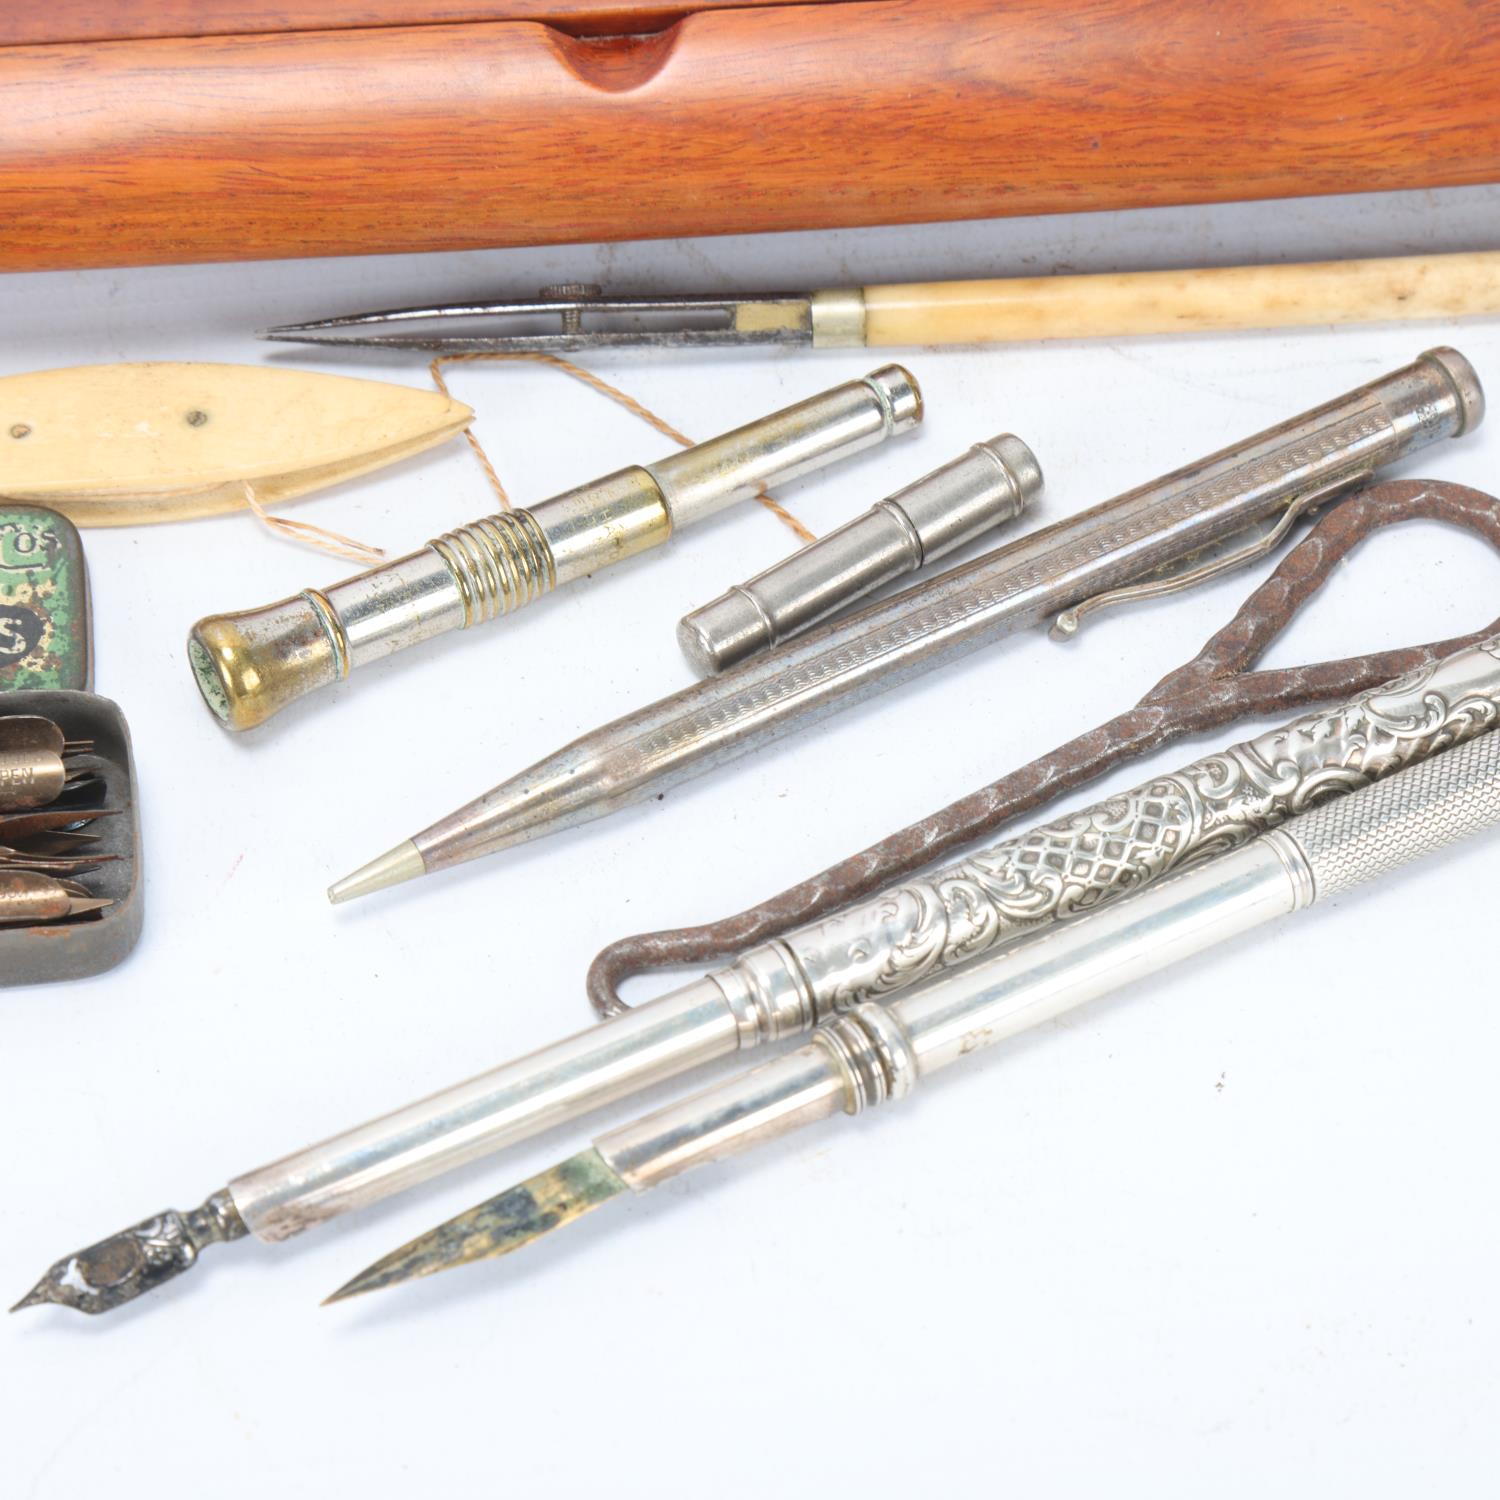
x=70, y=895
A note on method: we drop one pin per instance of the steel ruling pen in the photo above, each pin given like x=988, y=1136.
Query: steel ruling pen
x=781, y=989
x=1097, y=305
x=1113, y=552
x=874, y=1053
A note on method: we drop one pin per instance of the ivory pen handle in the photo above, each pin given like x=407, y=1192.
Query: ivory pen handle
x=1146, y=302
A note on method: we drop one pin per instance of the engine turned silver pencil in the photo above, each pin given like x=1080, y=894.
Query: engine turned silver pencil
x=874, y=1053
x=1067, y=568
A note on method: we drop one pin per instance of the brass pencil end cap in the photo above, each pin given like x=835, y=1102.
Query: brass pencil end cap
x=249, y=666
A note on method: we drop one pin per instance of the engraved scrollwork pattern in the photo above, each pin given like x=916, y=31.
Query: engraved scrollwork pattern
x=1066, y=867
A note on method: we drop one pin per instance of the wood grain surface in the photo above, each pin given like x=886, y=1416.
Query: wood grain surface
x=729, y=121
x=28, y=23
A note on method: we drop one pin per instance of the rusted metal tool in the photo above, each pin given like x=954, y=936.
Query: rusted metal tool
x=1217, y=687
x=1221, y=511
x=867, y=1054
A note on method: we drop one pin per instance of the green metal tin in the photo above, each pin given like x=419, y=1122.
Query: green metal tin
x=44, y=603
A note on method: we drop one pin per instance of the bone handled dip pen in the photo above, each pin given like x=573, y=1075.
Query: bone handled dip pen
x=874, y=1053
x=1071, y=565
x=782, y=988
x=1097, y=305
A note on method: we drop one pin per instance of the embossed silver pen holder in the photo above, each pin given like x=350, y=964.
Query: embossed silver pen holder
x=250, y=665
x=873, y=1053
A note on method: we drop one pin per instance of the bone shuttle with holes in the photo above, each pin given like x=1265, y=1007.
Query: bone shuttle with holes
x=250, y=665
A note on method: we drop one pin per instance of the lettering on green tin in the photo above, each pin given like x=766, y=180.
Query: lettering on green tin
x=21, y=631
x=27, y=545
x=43, y=612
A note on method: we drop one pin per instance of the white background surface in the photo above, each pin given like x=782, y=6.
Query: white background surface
x=1232, y=1229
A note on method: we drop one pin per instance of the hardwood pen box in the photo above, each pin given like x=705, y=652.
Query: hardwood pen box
x=191, y=130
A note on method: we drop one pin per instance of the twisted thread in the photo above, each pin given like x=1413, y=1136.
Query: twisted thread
x=594, y=382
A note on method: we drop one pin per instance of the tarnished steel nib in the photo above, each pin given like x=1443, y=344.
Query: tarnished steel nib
x=395, y=866
x=136, y=1260
x=515, y=1218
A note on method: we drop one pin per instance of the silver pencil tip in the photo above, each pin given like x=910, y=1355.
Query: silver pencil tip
x=402, y=863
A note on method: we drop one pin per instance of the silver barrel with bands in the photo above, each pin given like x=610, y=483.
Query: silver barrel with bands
x=989, y=485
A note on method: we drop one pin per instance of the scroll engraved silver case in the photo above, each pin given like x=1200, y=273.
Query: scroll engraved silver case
x=874, y=1053
x=1070, y=865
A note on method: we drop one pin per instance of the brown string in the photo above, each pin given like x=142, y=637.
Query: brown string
x=594, y=382
x=340, y=545
x=1215, y=688
x=318, y=537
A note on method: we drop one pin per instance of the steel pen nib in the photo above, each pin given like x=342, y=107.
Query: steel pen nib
x=136, y=1260
x=496, y=1227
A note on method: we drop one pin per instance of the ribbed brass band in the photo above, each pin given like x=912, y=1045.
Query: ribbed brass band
x=498, y=564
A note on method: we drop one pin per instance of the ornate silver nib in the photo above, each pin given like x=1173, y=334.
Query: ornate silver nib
x=136, y=1260
x=496, y=1227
